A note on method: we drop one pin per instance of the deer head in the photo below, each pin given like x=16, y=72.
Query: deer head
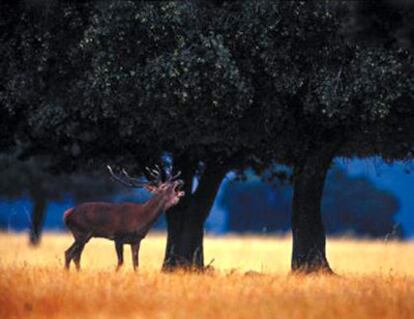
x=163, y=184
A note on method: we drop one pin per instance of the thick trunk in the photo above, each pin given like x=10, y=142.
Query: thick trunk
x=186, y=223
x=307, y=227
x=38, y=217
x=190, y=253
x=176, y=214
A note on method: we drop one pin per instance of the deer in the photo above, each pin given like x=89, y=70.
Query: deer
x=124, y=223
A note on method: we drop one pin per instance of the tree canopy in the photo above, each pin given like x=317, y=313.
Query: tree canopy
x=216, y=80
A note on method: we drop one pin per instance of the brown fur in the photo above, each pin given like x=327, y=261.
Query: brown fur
x=125, y=223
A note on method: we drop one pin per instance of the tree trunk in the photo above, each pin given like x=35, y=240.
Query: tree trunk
x=38, y=217
x=186, y=223
x=175, y=215
x=307, y=228
x=190, y=253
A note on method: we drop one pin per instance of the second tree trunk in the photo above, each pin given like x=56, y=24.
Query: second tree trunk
x=307, y=227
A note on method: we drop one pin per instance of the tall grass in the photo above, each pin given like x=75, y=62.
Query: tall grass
x=251, y=280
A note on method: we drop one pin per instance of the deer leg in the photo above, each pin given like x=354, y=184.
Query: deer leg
x=135, y=253
x=68, y=255
x=119, y=247
x=77, y=254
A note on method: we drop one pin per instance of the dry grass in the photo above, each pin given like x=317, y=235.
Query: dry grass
x=377, y=281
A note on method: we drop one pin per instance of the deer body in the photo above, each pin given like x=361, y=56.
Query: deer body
x=124, y=223
x=111, y=221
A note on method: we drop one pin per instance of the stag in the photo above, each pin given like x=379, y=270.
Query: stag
x=124, y=223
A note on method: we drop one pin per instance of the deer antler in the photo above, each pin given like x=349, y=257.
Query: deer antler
x=168, y=174
x=125, y=180
x=171, y=178
x=155, y=174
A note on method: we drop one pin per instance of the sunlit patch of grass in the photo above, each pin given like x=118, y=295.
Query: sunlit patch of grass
x=376, y=281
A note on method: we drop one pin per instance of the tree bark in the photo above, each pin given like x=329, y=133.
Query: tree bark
x=308, y=232
x=38, y=217
x=186, y=223
x=175, y=216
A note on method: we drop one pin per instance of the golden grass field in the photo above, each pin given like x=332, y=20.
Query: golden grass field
x=376, y=281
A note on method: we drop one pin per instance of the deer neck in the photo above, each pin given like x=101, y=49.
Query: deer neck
x=155, y=207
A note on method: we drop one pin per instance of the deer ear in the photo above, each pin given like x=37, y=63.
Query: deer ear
x=150, y=188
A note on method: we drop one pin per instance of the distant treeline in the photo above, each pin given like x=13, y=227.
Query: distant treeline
x=351, y=206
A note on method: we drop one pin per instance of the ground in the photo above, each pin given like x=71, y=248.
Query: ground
x=250, y=280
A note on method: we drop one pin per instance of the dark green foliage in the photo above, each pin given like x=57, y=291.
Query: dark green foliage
x=223, y=81
x=390, y=22
x=313, y=87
